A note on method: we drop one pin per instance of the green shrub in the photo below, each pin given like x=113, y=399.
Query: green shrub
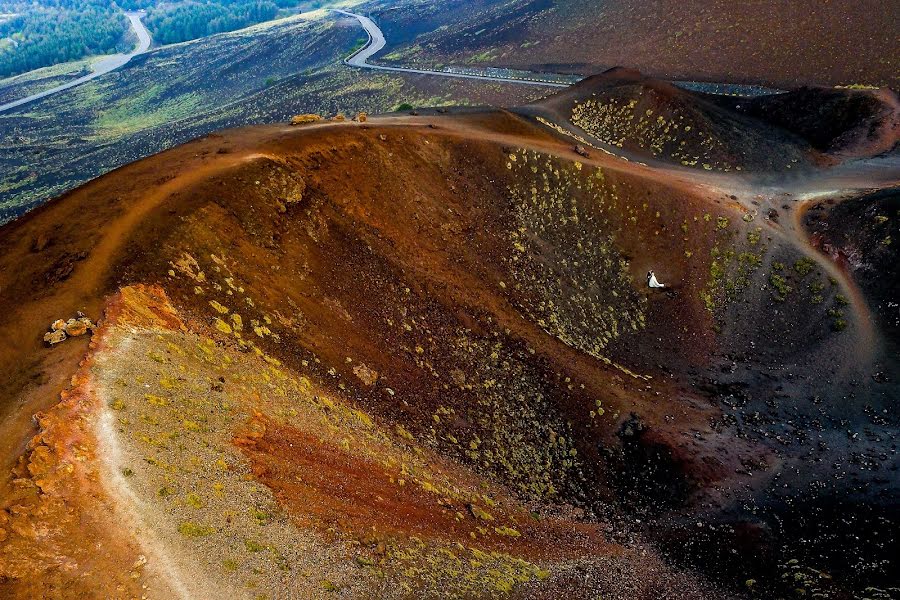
x=189, y=529
x=781, y=287
x=804, y=265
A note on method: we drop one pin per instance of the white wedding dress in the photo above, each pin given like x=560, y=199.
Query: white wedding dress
x=652, y=282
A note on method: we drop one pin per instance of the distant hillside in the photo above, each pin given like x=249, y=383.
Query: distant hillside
x=652, y=119
x=172, y=94
x=768, y=41
x=36, y=34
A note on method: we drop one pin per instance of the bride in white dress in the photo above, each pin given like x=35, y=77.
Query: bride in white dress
x=652, y=281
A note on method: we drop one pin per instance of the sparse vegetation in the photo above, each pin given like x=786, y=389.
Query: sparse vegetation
x=189, y=529
x=782, y=289
x=803, y=266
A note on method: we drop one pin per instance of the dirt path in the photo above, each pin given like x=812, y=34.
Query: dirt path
x=83, y=290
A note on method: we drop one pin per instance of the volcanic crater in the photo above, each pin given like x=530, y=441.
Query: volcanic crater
x=418, y=357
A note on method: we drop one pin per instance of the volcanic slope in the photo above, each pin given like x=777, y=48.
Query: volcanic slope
x=644, y=118
x=759, y=41
x=416, y=357
x=170, y=95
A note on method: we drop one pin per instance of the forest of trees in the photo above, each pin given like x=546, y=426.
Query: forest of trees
x=47, y=32
x=190, y=20
x=55, y=31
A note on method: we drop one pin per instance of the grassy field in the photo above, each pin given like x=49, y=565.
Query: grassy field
x=39, y=80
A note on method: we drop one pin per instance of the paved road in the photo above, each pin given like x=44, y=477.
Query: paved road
x=376, y=43
x=101, y=67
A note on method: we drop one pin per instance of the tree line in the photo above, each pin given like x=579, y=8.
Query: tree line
x=46, y=32
x=191, y=20
x=57, y=31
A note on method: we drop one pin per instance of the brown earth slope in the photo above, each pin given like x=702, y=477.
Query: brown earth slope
x=648, y=119
x=785, y=44
x=417, y=357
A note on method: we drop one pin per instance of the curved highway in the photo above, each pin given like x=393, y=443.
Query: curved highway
x=101, y=67
x=376, y=42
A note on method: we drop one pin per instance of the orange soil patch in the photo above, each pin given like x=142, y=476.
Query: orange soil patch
x=57, y=537
x=325, y=487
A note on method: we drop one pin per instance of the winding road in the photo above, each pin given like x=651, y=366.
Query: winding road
x=376, y=42
x=101, y=67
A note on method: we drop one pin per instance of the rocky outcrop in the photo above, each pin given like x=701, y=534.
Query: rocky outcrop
x=305, y=118
x=60, y=330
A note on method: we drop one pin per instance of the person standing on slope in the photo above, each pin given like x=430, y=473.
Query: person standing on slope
x=652, y=281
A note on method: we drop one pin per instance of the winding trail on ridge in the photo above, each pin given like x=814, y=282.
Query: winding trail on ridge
x=101, y=67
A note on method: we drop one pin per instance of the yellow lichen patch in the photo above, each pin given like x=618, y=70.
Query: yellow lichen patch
x=403, y=433
x=480, y=513
x=218, y=307
x=222, y=326
x=156, y=400
x=460, y=571
x=507, y=531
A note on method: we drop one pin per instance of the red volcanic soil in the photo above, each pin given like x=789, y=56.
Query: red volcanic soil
x=358, y=496
x=414, y=357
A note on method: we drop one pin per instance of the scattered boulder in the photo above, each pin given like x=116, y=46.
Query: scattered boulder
x=55, y=337
x=582, y=151
x=367, y=375
x=339, y=117
x=77, y=327
x=61, y=330
x=305, y=118
x=361, y=117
